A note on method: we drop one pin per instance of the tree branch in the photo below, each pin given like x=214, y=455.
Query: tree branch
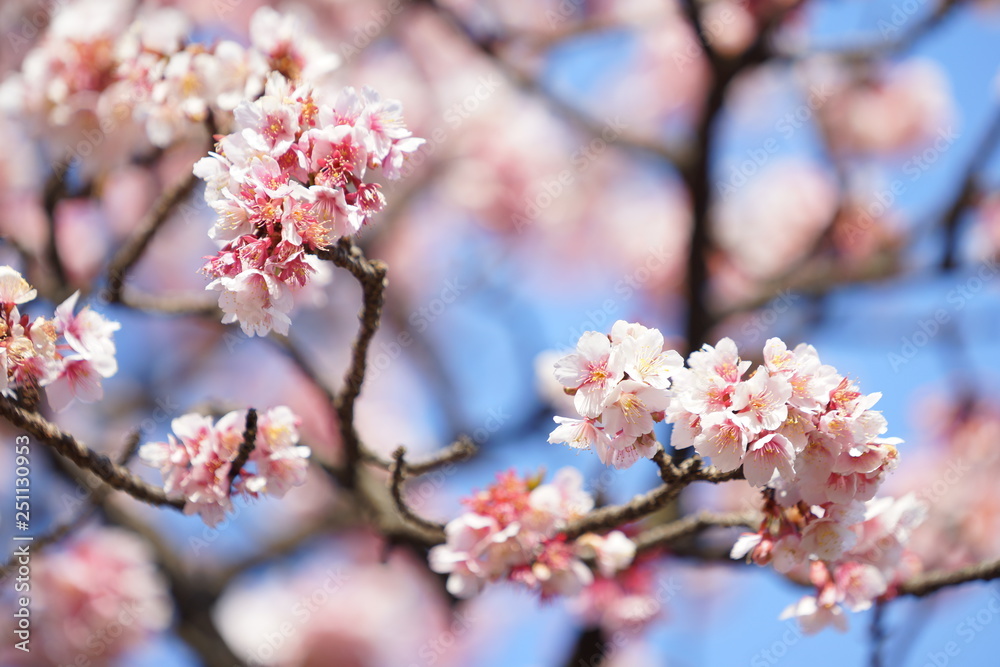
x=460, y=450
x=371, y=276
x=115, y=476
x=691, y=525
x=397, y=494
x=966, y=192
x=246, y=447
x=931, y=582
x=680, y=476
x=136, y=245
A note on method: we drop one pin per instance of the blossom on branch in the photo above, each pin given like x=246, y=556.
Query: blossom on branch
x=512, y=532
x=620, y=385
x=197, y=460
x=32, y=356
x=288, y=182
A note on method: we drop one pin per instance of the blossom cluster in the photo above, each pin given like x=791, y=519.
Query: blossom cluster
x=621, y=386
x=853, y=554
x=92, y=601
x=287, y=183
x=179, y=86
x=512, y=531
x=102, y=67
x=804, y=433
x=197, y=458
x=795, y=424
x=68, y=355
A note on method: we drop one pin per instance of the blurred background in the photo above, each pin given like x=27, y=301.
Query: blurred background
x=825, y=173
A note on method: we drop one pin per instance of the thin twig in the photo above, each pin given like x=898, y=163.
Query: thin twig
x=691, y=525
x=397, y=494
x=613, y=516
x=460, y=450
x=132, y=251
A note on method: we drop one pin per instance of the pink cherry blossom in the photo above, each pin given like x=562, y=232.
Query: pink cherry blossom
x=477, y=550
x=288, y=181
x=13, y=288
x=593, y=371
x=579, y=433
x=197, y=458
x=767, y=455
x=626, y=601
x=629, y=407
x=512, y=532
x=722, y=438
x=614, y=552
x=761, y=401
x=103, y=580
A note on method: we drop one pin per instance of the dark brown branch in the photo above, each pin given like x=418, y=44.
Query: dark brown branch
x=115, y=476
x=460, y=450
x=371, y=276
x=589, y=649
x=697, y=175
x=692, y=525
x=397, y=494
x=136, y=245
x=80, y=517
x=876, y=632
x=680, y=476
x=931, y=582
x=246, y=447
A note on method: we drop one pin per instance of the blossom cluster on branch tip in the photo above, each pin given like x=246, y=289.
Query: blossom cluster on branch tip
x=512, y=532
x=101, y=68
x=801, y=431
x=853, y=554
x=68, y=355
x=289, y=182
x=196, y=460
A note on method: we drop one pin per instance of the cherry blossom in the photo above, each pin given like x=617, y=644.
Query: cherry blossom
x=512, y=532
x=592, y=372
x=618, y=408
x=32, y=356
x=93, y=600
x=288, y=182
x=196, y=460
